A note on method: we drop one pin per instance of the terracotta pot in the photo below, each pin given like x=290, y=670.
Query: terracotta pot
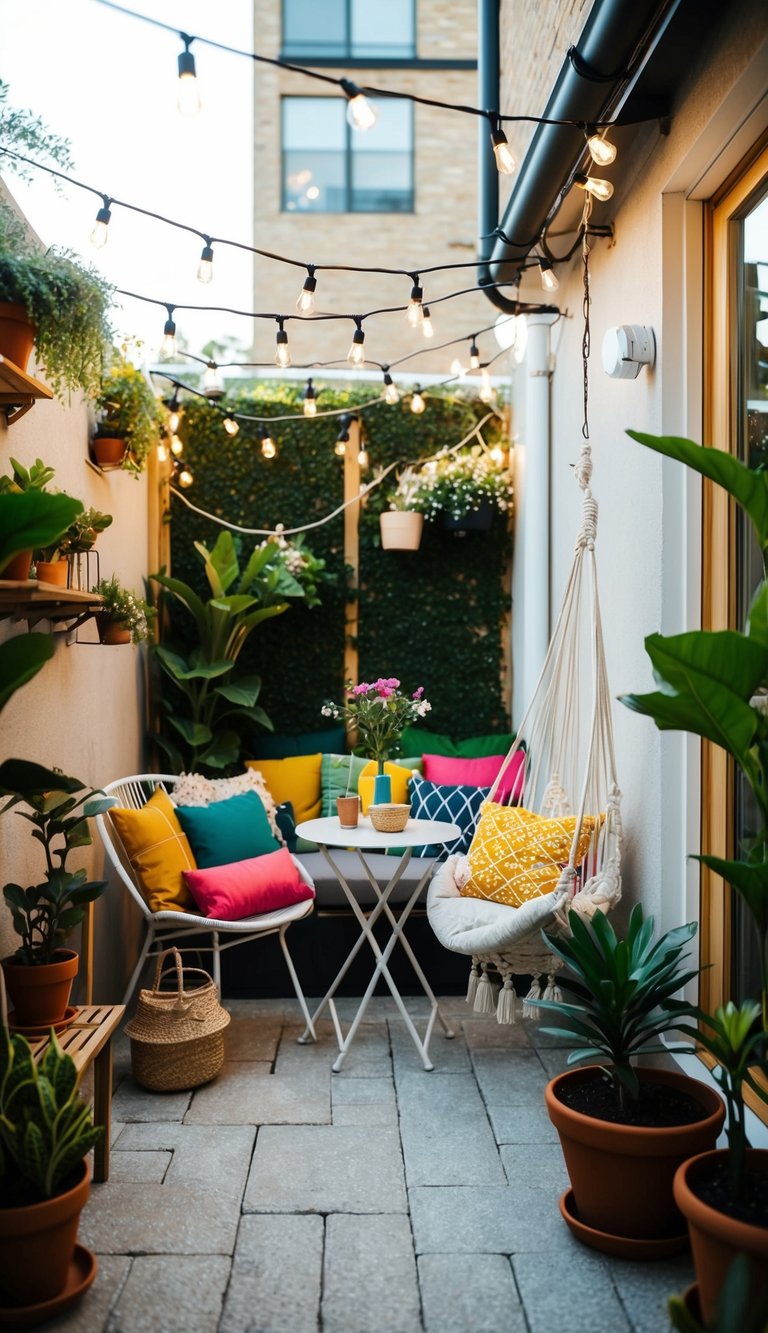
x=40, y=994
x=113, y=631
x=716, y=1238
x=348, y=810
x=18, y=568
x=53, y=571
x=17, y=333
x=622, y=1175
x=37, y=1244
x=401, y=529
x=108, y=451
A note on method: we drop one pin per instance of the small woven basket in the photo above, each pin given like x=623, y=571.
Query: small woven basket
x=389, y=818
x=177, y=1037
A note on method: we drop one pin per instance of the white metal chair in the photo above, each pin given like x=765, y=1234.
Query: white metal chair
x=133, y=793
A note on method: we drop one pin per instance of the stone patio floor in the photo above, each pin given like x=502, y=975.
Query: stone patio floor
x=282, y=1198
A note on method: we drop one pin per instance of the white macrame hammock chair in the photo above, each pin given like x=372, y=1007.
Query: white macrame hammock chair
x=569, y=767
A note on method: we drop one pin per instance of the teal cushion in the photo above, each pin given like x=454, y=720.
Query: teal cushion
x=417, y=741
x=226, y=831
x=339, y=774
x=329, y=741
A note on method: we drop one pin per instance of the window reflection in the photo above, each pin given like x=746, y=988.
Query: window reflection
x=329, y=169
x=356, y=29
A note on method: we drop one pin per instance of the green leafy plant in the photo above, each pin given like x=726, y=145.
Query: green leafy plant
x=734, y=1314
x=210, y=699
x=29, y=135
x=58, y=807
x=67, y=303
x=456, y=484
x=34, y=478
x=378, y=713
x=46, y=1128
x=122, y=605
x=79, y=537
x=621, y=993
x=128, y=409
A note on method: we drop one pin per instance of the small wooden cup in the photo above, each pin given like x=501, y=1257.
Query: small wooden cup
x=348, y=808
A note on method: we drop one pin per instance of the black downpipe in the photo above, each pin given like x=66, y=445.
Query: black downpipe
x=489, y=70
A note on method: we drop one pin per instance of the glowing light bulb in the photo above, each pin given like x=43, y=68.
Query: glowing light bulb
x=100, y=233
x=177, y=448
x=549, y=279
x=417, y=402
x=505, y=158
x=427, y=326
x=305, y=303
x=231, y=426
x=360, y=114
x=356, y=353
x=474, y=355
x=594, y=185
x=205, y=267
x=168, y=345
x=340, y=448
x=415, y=312
x=282, y=355
x=496, y=455
x=310, y=400
x=213, y=386
x=162, y=453
x=486, y=393
x=188, y=93
x=173, y=421
x=362, y=457
x=602, y=151
x=391, y=394
x=458, y=368
x=185, y=478
x=268, y=447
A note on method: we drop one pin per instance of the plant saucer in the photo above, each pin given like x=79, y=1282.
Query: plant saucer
x=43, y=1029
x=621, y=1247
x=82, y=1271
x=690, y=1300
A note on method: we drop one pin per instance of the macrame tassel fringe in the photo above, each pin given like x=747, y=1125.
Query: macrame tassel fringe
x=552, y=990
x=474, y=977
x=529, y=1010
x=485, y=996
x=505, y=1009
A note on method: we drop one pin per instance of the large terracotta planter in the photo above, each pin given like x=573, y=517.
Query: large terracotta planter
x=109, y=451
x=401, y=529
x=37, y=1245
x=18, y=568
x=40, y=995
x=17, y=334
x=53, y=571
x=622, y=1174
x=716, y=1238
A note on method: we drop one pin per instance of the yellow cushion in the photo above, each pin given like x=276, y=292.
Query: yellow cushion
x=399, y=776
x=516, y=855
x=157, y=848
x=296, y=780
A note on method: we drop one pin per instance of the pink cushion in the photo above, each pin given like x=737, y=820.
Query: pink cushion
x=478, y=773
x=248, y=888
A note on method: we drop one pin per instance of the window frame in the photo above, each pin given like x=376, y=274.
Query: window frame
x=349, y=141
x=346, y=55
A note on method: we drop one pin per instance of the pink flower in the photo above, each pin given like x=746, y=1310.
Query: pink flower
x=362, y=689
x=418, y=693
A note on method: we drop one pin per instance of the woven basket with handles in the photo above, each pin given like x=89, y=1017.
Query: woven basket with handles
x=177, y=1036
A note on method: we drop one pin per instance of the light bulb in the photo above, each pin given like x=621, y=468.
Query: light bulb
x=457, y=368
x=427, y=326
x=173, y=421
x=549, y=279
x=594, y=185
x=602, y=151
x=185, y=478
x=231, y=426
x=100, y=233
x=360, y=114
x=391, y=394
x=213, y=386
x=268, y=448
x=340, y=448
x=282, y=355
x=486, y=393
x=362, y=457
x=417, y=402
x=305, y=303
x=505, y=159
x=188, y=93
x=474, y=355
x=162, y=453
x=168, y=345
x=415, y=312
x=496, y=455
x=310, y=400
x=177, y=448
x=205, y=267
x=356, y=353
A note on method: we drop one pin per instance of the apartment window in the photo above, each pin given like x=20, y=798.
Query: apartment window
x=330, y=168
x=349, y=30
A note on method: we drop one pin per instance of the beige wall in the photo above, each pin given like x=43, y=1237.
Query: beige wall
x=84, y=712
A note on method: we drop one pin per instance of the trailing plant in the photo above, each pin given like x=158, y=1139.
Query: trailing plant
x=29, y=135
x=122, y=605
x=127, y=408
x=621, y=993
x=58, y=808
x=457, y=484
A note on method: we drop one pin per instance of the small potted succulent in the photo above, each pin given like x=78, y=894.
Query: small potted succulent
x=19, y=482
x=54, y=562
x=129, y=416
x=123, y=617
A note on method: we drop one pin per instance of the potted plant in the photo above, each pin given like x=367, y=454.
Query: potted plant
x=466, y=490
x=129, y=416
x=733, y=1314
x=625, y=1130
x=54, y=562
x=402, y=524
x=123, y=617
x=378, y=714
x=46, y=1132
x=65, y=304
x=20, y=480
x=39, y=975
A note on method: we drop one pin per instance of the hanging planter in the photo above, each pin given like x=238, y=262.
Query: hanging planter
x=401, y=529
x=113, y=632
x=479, y=519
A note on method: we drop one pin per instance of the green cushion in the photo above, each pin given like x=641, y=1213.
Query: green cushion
x=418, y=741
x=338, y=777
x=479, y=747
x=226, y=831
x=332, y=739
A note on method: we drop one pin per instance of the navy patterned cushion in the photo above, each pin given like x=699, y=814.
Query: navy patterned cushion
x=458, y=805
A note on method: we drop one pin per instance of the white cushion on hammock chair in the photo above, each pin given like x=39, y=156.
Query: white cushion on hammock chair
x=475, y=926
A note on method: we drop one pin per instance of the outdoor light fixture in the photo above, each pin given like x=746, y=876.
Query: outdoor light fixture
x=627, y=349
x=356, y=353
x=185, y=478
x=417, y=402
x=168, y=345
x=391, y=394
x=602, y=151
x=188, y=96
x=362, y=457
x=415, y=312
x=594, y=185
x=305, y=303
x=360, y=114
x=282, y=354
x=162, y=453
x=310, y=400
x=458, y=368
x=100, y=233
x=343, y=436
x=175, y=412
x=205, y=267
x=496, y=455
x=268, y=447
x=505, y=158
x=486, y=393
x=549, y=279
x=213, y=386
x=474, y=356
x=231, y=426
x=177, y=448
x=427, y=327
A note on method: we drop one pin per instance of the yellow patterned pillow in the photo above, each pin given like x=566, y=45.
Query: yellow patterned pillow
x=517, y=855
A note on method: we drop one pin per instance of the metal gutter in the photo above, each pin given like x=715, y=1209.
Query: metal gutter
x=594, y=83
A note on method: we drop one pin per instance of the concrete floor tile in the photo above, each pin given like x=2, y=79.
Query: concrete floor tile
x=460, y=1292
x=644, y=1289
x=276, y=1276
x=494, y=1219
x=362, y=1091
x=91, y=1313
x=117, y=1127
x=159, y=1219
x=554, y=1060
x=318, y=1169
x=583, y=1286
x=368, y=1057
x=183, y=1294
x=374, y=1114
x=246, y=1094
x=250, y=1039
x=481, y=1033
x=130, y=1102
x=449, y=1055
x=510, y=1077
x=360, y=1294
x=542, y=1167
x=217, y=1161
x=139, y=1166
x=521, y=1124
x=445, y=1133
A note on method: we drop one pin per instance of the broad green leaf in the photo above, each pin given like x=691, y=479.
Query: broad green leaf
x=27, y=780
x=245, y=690
x=187, y=596
x=20, y=659
x=260, y=557
x=724, y=657
x=221, y=564
x=33, y=519
x=751, y=881
x=733, y=730
x=757, y=620
x=182, y=670
x=223, y=750
x=194, y=733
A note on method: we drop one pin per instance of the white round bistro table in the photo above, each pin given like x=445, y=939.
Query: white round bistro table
x=328, y=834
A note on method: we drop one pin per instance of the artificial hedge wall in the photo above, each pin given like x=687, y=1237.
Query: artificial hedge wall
x=433, y=617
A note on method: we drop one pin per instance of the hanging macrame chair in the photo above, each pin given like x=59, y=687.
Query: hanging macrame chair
x=561, y=768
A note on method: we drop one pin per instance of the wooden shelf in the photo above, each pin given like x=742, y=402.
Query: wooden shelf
x=32, y=601
x=18, y=390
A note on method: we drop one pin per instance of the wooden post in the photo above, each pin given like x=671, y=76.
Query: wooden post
x=351, y=547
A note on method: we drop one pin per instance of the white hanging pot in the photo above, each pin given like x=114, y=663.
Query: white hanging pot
x=401, y=529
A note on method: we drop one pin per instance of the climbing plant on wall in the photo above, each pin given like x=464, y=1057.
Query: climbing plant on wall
x=433, y=618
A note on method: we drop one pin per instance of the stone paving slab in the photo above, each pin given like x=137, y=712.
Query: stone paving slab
x=91, y=1313
x=495, y=1219
x=137, y=1167
x=183, y=1296
x=217, y=1160
x=445, y=1133
x=517, y=1124
x=368, y=1057
x=249, y=1094
x=481, y=1031
x=577, y=1287
x=542, y=1168
x=319, y=1169
x=373, y=1115
x=510, y=1079
x=463, y=1292
x=246, y=1039
x=448, y=1055
x=369, y=1279
x=364, y=1101
x=276, y=1276
x=131, y=1102
x=159, y=1219
x=644, y=1289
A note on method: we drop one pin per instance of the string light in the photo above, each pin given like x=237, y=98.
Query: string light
x=417, y=402
x=505, y=158
x=496, y=455
x=602, y=151
x=549, y=279
x=205, y=267
x=100, y=233
x=415, y=312
x=594, y=185
x=356, y=353
x=188, y=96
x=360, y=114
x=185, y=478
x=162, y=453
x=268, y=447
x=231, y=426
x=342, y=439
x=458, y=369
x=168, y=346
x=427, y=327
x=305, y=303
x=213, y=386
x=177, y=448
x=391, y=394
x=362, y=457
x=175, y=412
x=282, y=354
x=310, y=400
x=474, y=358
x=486, y=393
